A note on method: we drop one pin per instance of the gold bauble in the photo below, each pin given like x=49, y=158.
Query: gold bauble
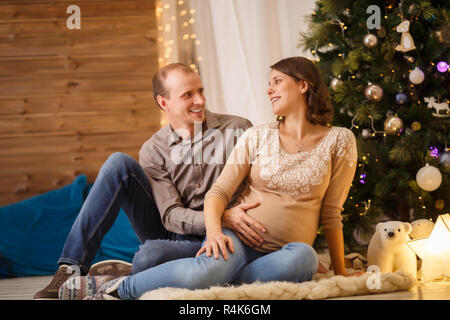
x=439, y=204
x=381, y=32
x=373, y=93
x=393, y=125
x=416, y=126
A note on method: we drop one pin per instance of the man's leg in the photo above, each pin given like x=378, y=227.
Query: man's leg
x=295, y=262
x=155, y=252
x=121, y=182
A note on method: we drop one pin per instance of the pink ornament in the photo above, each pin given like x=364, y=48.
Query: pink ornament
x=442, y=66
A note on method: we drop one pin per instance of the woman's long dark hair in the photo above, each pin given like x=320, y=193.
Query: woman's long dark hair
x=320, y=110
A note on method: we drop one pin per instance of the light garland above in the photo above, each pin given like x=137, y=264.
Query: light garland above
x=176, y=40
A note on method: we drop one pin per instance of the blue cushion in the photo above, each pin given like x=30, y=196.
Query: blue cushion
x=33, y=232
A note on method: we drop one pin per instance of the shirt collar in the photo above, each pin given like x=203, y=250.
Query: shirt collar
x=211, y=122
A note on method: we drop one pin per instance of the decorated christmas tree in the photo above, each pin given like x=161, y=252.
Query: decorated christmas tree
x=386, y=63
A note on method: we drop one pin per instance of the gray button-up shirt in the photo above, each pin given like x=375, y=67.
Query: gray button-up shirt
x=182, y=171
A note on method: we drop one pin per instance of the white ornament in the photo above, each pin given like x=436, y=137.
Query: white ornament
x=429, y=178
x=442, y=109
x=416, y=76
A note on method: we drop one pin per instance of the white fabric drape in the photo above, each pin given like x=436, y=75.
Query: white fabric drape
x=238, y=41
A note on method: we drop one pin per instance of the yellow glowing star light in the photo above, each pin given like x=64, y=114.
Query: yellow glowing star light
x=434, y=250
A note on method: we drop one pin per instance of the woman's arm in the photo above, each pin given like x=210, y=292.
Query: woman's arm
x=343, y=170
x=216, y=242
x=216, y=199
x=213, y=209
x=335, y=241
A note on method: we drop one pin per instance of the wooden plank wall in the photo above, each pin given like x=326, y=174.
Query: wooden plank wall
x=70, y=98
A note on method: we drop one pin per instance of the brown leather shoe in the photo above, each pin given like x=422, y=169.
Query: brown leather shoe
x=117, y=268
x=50, y=292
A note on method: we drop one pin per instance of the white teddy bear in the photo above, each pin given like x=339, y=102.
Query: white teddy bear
x=421, y=228
x=388, y=249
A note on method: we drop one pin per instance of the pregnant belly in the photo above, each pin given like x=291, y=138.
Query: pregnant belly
x=284, y=223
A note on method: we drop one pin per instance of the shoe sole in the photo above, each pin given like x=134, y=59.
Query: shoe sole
x=94, y=269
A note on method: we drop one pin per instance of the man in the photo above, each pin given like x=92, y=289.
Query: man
x=163, y=194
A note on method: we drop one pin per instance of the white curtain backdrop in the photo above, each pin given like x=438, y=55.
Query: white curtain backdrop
x=232, y=43
x=240, y=40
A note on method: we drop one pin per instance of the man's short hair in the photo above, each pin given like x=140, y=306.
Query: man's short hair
x=160, y=76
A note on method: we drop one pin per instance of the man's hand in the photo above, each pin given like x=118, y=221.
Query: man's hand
x=240, y=222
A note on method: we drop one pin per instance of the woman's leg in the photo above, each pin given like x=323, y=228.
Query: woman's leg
x=295, y=262
x=191, y=273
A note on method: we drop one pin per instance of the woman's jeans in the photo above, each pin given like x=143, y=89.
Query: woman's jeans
x=121, y=183
x=294, y=262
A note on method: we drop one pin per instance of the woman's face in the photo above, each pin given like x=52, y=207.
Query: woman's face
x=285, y=93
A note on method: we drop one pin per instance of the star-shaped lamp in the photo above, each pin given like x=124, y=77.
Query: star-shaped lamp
x=434, y=250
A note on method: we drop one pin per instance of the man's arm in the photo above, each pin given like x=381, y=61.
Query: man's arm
x=174, y=216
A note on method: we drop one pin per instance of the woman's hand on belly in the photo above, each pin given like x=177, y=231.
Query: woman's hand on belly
x=243, y=225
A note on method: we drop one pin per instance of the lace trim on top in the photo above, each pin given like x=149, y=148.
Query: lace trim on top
x=295, y=173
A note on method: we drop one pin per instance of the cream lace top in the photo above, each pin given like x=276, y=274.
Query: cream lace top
x=295, y=191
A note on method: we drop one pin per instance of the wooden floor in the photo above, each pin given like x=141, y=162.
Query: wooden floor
x=25, y=288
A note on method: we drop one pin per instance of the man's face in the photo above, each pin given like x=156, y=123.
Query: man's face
x=185, y=102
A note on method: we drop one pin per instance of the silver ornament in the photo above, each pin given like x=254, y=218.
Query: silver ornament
x=373, y=93
x=444, y=161
x=370, y=40
x=393, y=125
x=335, y=82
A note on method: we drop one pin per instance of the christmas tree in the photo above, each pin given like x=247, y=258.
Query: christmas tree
x=386, y=63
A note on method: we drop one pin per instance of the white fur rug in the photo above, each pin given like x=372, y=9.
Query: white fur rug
x=323, y=287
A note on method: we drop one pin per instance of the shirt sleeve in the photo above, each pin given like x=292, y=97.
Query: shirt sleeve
x=174, y=216
x=343, y=169
x=236, y=168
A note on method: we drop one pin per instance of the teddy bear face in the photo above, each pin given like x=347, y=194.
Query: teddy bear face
x=421, y=228
x=394, y=232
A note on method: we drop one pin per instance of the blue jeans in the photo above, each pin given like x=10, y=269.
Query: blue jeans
x=155, y=252
x=295, y=262
x=121, y=183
